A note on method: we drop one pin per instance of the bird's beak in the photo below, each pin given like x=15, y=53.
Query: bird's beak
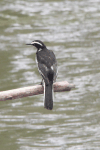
x=29, y=44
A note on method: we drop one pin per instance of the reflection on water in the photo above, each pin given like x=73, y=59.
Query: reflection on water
x=71, y=30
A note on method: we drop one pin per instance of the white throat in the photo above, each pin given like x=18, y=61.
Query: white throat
x=40, y=49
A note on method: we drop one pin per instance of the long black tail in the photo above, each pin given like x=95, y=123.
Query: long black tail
x=48, y=96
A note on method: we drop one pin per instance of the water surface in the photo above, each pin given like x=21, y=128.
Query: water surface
x=72, y=30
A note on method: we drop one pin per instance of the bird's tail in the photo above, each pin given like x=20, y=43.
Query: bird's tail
x=48, y=96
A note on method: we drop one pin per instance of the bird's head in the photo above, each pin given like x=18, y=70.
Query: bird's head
x=38, y=44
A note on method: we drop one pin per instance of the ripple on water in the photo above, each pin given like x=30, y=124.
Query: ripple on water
x=72, y=31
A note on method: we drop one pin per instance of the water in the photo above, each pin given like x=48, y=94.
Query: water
x=72, y=30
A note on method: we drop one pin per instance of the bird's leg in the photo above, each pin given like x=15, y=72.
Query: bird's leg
x=41, y=83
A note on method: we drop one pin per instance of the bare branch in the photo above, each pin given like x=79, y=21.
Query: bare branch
x=33, y=90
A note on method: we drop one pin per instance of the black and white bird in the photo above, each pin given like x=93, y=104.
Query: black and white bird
x=47, y=66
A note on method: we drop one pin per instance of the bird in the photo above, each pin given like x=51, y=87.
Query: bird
x=47, y=67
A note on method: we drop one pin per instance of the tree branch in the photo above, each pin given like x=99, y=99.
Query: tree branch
x=33, y=90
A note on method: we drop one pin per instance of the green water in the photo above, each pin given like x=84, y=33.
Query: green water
x=72, y=30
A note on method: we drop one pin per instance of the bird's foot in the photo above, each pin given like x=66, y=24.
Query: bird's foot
x=41, y=83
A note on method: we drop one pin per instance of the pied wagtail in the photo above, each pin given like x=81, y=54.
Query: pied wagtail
x=47, y=66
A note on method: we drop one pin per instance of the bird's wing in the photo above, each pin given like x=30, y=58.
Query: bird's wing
x=47, y=63
x=54, y=61
x=43, y=70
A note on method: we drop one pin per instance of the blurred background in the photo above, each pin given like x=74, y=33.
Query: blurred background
x=72, y=30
